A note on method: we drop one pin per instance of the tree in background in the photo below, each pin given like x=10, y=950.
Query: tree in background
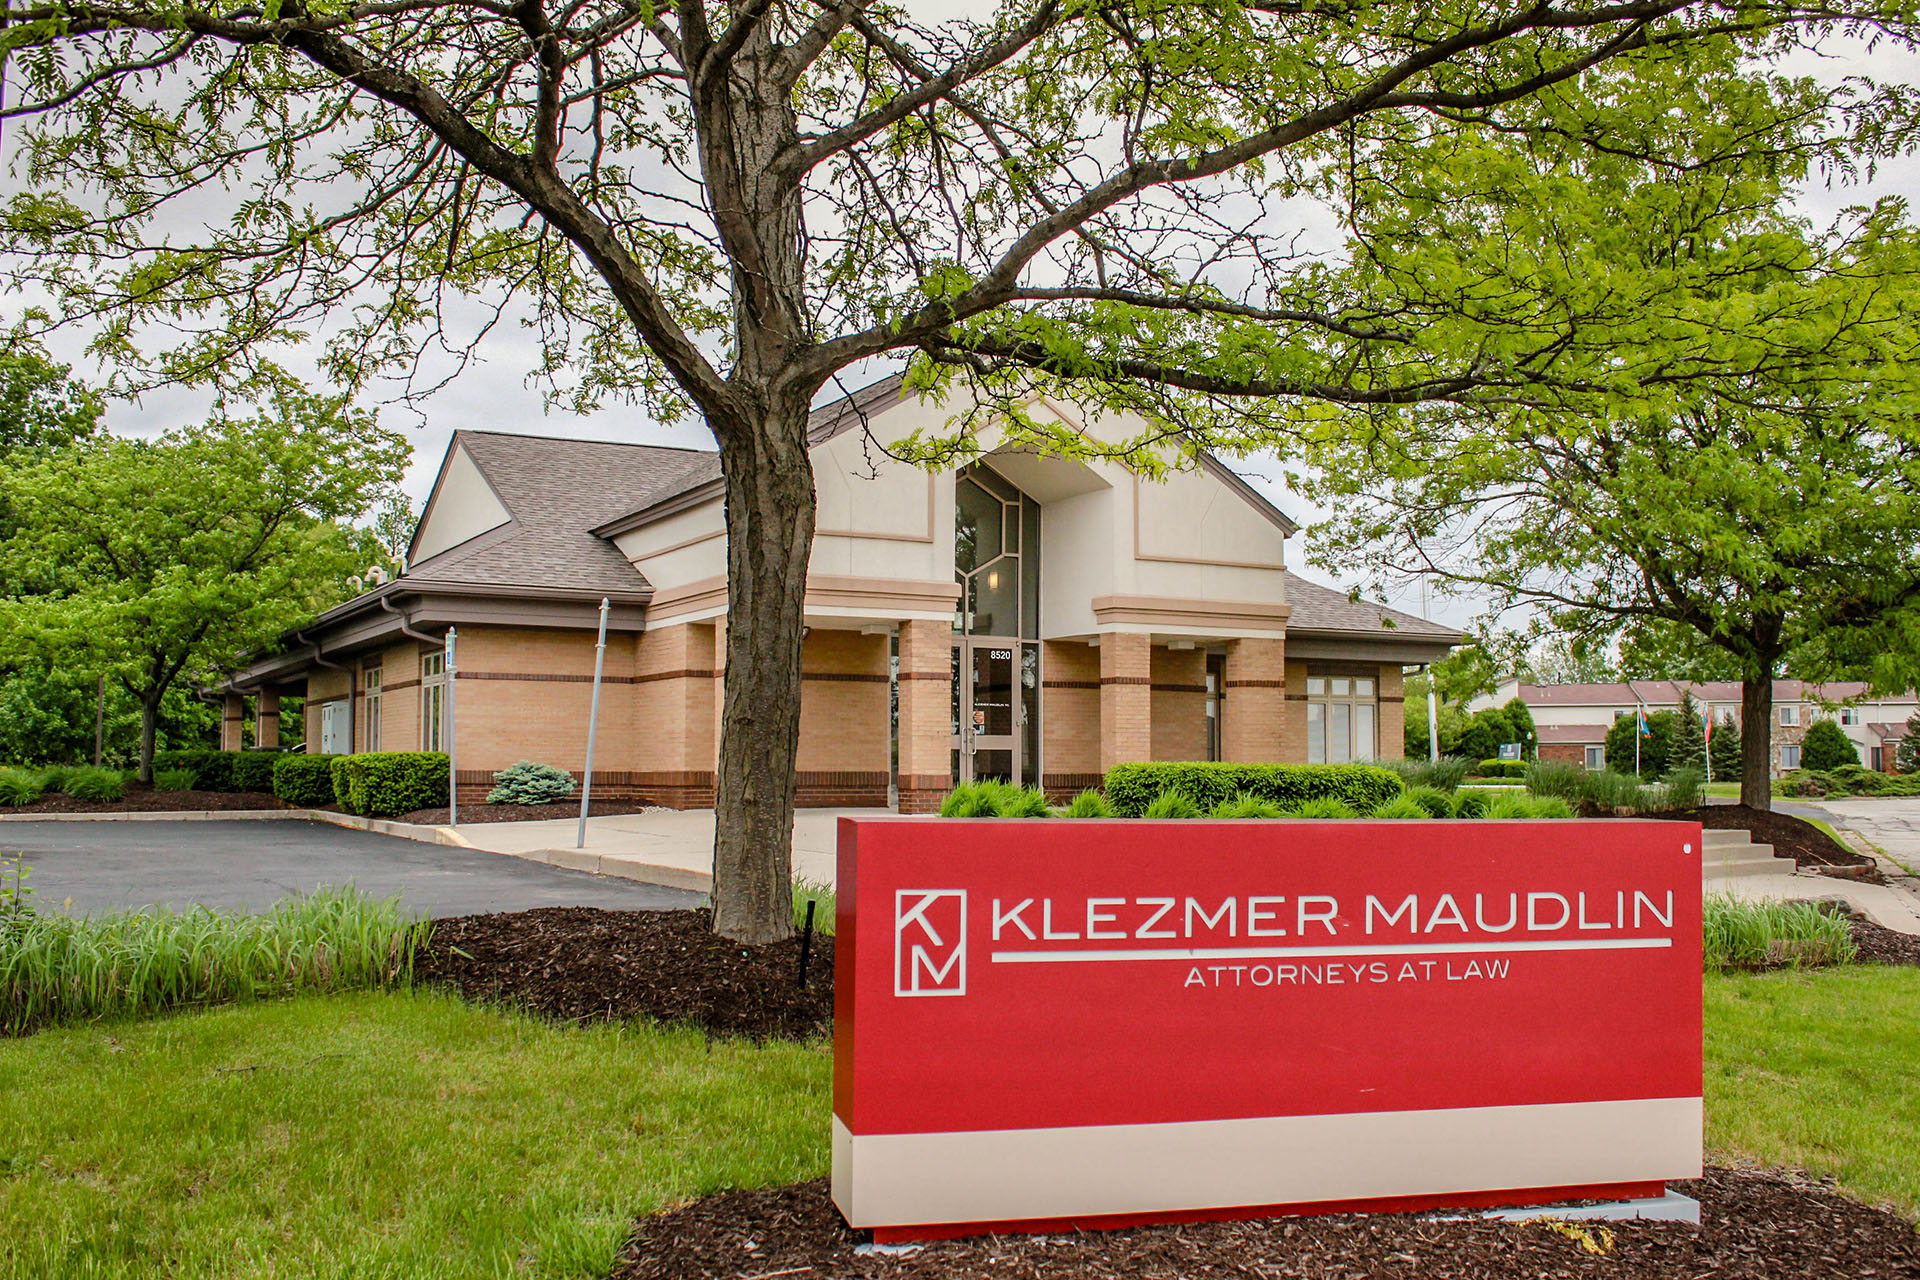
x=1906, y=755
x=1520, y=716
x=1657, y=649
x=1742, y=457
x=1723, y=750
x=1826, y=746
x=41, y=406
x=1655, y=749
x=47, y=716
x=1689, y=736
x=179, y=556
x=717, y=209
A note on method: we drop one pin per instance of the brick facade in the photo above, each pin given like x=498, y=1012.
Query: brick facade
x=1255, y=706
x=1393, y=714
x=1069, y=717
x=1126, y=699
x=1179, y=703
x=926, y=715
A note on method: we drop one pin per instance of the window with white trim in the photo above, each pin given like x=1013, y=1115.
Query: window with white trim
x=1790, y=756
x=370, y=709
x=433, y=700
x=1849, y=715
x=1341, y=715
x=1596, y=758
x=1790, y=715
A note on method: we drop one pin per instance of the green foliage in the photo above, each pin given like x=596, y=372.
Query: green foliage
x=20, y=787
x=1482, y=734
x=1654, y=747
x=47, y=714
x=994, y=799
x=1170, y=804
x=1323, y=807
x=1520, y=716
x=1849, y=780
x=1688, y=749
x=1552, y=807
x=1401, y=807
x=1021, y=802
x=824, y=899
x=16, y=896
x=173, y=779
x=1502, y=768
x=213, y=768
x=1434, y=802
x=1131, y=788
x=1247, y=805
x=1560, y=778
x=1906, y=754
x=60, y=968
x=1089, y=804
x=1685, y=789
x=1509, y=805
x=1446, y=773
x=530, y=783
x=1740, y=933
x=252, y=771
x=1469, y=803
x=1724, y=749
x=304, y=781
x=386, y=784
x=98, y=785
x=1826, y=747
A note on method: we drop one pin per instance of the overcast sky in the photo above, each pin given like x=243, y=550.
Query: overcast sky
x=493, y=394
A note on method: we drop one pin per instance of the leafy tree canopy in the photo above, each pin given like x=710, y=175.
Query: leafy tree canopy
x=41, y=406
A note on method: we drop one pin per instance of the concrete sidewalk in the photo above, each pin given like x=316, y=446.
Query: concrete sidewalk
x=1889, y=824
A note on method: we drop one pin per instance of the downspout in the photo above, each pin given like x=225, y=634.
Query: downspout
x=406, y=626
x=351, y=691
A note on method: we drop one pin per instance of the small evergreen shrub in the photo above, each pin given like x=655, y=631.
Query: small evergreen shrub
x=1131, y=788
x=1434, y=802
x=1497, y=768
x=1404, y=806
x=1171, y=804
x=1088, y=804
x=19, y=787
x=386, y=784
x=1246, y=805
x=304, y=781
x=1325, y=807
x=530, y=783
x=251, y=770
x=1826, y=747
x=99, y=785
x=1470, y=804
x=173, y=779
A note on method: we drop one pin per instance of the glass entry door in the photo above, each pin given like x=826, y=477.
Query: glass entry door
x=987, y=709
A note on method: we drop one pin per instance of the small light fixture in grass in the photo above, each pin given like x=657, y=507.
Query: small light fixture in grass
x=1247, y=805
x=1171, y=804
x=1325, y=807
x=173, y=779
x=1088, y=804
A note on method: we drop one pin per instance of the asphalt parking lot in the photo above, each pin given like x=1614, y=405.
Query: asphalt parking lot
x=250, y=864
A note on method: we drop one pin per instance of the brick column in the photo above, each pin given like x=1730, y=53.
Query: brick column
x=233, y=719
x=926, y=715
x=1126, y=698
x=1393, y=714
x=266, y=728
x=1255, y=707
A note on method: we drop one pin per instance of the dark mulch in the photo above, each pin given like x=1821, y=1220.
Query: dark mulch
x=1881, y=945
x=1790, y=837
x=1755, y=1224
x=144, y=799
x=580, y=964
x=526, y=812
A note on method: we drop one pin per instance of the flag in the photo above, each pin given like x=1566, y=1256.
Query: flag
x=1640, y=723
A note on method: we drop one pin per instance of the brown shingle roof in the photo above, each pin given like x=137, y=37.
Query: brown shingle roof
x=1318, y=608
x=555, y=492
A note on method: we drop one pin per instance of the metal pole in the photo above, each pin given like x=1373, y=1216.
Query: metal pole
x=453, y=769
x=1639, y=713
x=593, y=722
x=1433, y=721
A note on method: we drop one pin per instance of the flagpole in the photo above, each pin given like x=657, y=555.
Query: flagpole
x=1639, y=718
x=593, y=722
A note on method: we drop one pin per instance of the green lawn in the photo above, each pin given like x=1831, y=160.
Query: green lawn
x=1817, y=1069
x=410, y=1135
x=378, y=1135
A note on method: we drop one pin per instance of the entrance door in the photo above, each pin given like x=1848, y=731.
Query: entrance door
x=987, y=709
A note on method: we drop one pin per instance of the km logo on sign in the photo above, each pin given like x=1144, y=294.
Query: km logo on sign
x=930, y=942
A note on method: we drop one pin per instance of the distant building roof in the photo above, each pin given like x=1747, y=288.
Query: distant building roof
x=1662, y=692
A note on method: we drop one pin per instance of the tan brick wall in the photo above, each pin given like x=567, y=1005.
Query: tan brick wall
x=267, y=718
x=1293, y=716
x=1179, y=703
x=926, y=714
x=233, y=720
x=671, y=712
x=1069, y=715
x=1393, y=714
x=1256, y=710
x=844, y=714
x=505, y=711
x=1126, y=698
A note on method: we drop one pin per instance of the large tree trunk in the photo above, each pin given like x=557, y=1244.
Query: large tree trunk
x=770, y=513
x=1756, y=740
x=149, y=728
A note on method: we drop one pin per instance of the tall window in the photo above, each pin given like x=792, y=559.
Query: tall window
x=1790, y=757
x=433, y=700
x=1341, y=711
x=996, y=556
x=1789, y=715
x=370, y=711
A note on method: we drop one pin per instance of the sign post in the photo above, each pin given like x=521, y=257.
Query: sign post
x=1097, y=1023
x=453, y=769
x=593, y=721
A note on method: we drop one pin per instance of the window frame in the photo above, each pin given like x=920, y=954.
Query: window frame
x=433, y=699
x=1334, y=696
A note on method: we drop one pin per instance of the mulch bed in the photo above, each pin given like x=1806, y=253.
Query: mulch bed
x=1790, y=837
x=580, y=964
x=140, y=798
x=527, y=812
x=1881, y=945
x=1755, y=1225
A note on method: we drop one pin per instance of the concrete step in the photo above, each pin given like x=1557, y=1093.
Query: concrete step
x=1714, y=839
x=1744, y=860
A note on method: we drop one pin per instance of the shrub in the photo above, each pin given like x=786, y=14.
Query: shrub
x=53, y=779
x=1171, y=804
x=1552, y=807
x=1653, y=749
x=1685, y=788
x=1502, y=768
x=1132, y=787
x=213, y=770
x=1404, y=806
x=385, y=784
x=1325, y=807
x=1560, y=778
x=251, y=770
x=1762, y=935
x=1826, y=747
x=173, y=779
x=1607, y=790
x=1247, y=805
x=304, y=781
x=968, y=800
x=1434, y=802
x=1470, y=804
x=1088, y=804
x=1446, y=773
x=19, y=787
x=1020, y=802
x=530, y=783
x=1509, y=805
x=96, y=784
x=994, y=800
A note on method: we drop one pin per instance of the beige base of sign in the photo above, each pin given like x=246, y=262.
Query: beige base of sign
x=1011, y=1175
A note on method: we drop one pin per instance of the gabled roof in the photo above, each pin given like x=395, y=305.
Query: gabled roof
x=1322, y=609
x=555, y=492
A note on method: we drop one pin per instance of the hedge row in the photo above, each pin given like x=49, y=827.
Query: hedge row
x=304, y=781
x=386, y=784
x=1502, y=769
x=222, y=770
x=1362, y=787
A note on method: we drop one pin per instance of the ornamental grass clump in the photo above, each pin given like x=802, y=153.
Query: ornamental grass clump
x=100, y=785
x=530, y=783
x=19, y=787
x=1325, y=807
x=1434, y=802
x=1402, y=806
x=1247, y=805
x=1088, y=804
x=994, y=799
x=1556, y=778
x=1171, y=804
x=1469, y=803
x=61, y=968
x=173, y=779
x=1741, y=934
